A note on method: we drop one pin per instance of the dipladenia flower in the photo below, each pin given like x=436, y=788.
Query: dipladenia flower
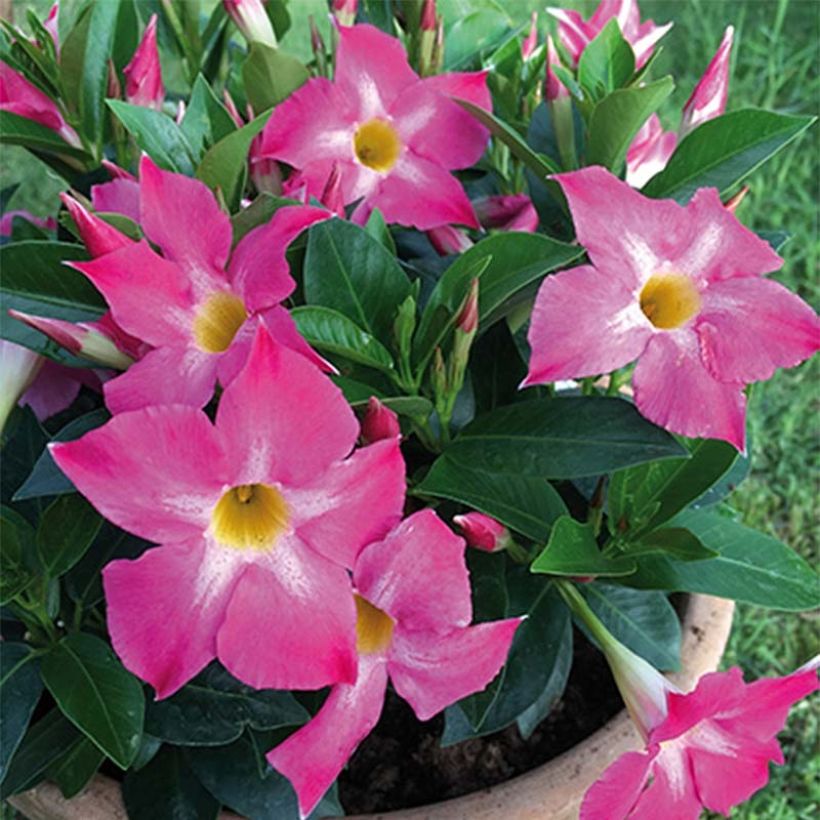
x=259, y=517
x=511, y=212
x=649, y=152
x=194, y=308
x=529, y=43
x=394, y=136
x=20, y=97
x=575, y=33
x=252, y=21
x=482, y=532
x=413, y=632
x=379, y=422
x=680, y=289
x=143, y=75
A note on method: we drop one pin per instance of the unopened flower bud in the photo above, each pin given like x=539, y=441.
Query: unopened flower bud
x=731, y=204
x=448, y=239
x=482, y=532
x=227, y=99
x=379, y=422
x=405, y=325
x=143, y=75
x=332, y=197
x=345, y=11
x=467, y=321
x=50, y=24
x=708, y=100
x=553, y=87
x=317, y=45
x=531, y=40
x=18, y=369
x=252, y=21
x=98, y=236
x=427, y=38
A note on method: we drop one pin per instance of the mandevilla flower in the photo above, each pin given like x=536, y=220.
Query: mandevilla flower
x=395, y=137
x=649, y=152
x=259, y=516
x=483, y=532
x=252, y=21
x=413, y=631
x=143, y=75
x=511, y=212
x=680, y=289
x=575, y=33
x=379, y=422
x=194, y=308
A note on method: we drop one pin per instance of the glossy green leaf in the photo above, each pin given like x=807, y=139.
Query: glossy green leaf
x=23, y=442
x=675, y=542
x=334, y=333
x=348, y=270
x=16, y=572
x=76, y=766
x=20, y=689
x=566, y=437
x=572, y=550
x=97, y=694
x=271, y=75
x=15, y=130
x=606, y=63
x=206, y=119
x=472, y=30
x=750, y=567
x=259, y=212
x=66, y=531
x=358, y=395
x=722, y=152
x=616, y=120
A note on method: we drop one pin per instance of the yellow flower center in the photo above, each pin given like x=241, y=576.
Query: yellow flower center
x=669, y=300
x=217, y=321
x=374, y=628
x=377, y=145
x=250, y=516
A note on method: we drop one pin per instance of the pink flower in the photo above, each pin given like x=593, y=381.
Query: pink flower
x=708, y=100
x=259, y=517
x=483, y=532
x=575, y=33
x=413, y=631
x=195, y=309
x=143, y=75
x=395, y=137
x=252, y=20
x=711, y=750
x=19, y=96
x=512, y=212
x=649, y=152
x=530, y=42
x=680, y=289
x=48, y=223
x=379, y=422
x=55, y=388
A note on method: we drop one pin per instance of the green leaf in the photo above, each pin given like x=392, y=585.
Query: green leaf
x=271, y=75
x=23, y=441
x=206, y=119
x=259, y=212
x=358, y=395
x=566, y=437
x=97, y=694
x=644, y=622
x=66, y=531
x=20, y=689
x=526, y=504
x=572, y=550
x=230, y=707
x=16, y=570
x=722, y=152
x=349, y=271
x=156, y=134
x=224, y=165
x=332, y=332
x=379, y=230
x=616, y=120
x=79, y=763
x=750, y=567
x=167, y=789
x=542, y=166
x=675, y=542
x=15, y=130
x=606, y=63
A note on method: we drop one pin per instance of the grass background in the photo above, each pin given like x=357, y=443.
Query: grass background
x=774, y=65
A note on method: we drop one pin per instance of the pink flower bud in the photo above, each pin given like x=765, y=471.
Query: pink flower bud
x=708, y=100
x=514, y=212
x=7, y=221
x=428, y=16
x=448, y=239
x=553, y=87
x=467, y=321
x=733, y=202
x=332, y=197
x=115, y=172
x=482, y=532
x=345, y=11
x=379, y=422
x=252, y=21
x=143, y=75
x=50, y=24
x=232, y=109
x=97, y=235
x=531, y=40
x=18, y=369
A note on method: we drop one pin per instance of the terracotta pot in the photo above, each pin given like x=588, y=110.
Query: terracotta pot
x=550, y=792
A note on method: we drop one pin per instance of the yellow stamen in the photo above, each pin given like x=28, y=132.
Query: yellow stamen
x=669, y=300
x=377, y=145
x=217, y=321
x=250, y=516
x=374, y=628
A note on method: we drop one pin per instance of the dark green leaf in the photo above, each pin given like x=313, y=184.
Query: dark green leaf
x=20, y=688
x=378, y=229
x=358, y=395
x=349, y=271
x=23, y=441
x=675, y=542
x=206, y=119
x=66, y=531
x=572, y=550
x=271, y=75
x=16, y=130
x=606, y=63
x=96, y=693
x=72, y=771
x=259, y=212
x=16, y=569
x=722, y=152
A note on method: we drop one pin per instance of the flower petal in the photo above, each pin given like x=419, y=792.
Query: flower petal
x=155, y=472
x=674, y=389
x=291, y=622
x=584, y=323
x=54, y=389
x=283, y=329
x=314, y=756
x=672, y=793
x=120, y=196
x=614, y=794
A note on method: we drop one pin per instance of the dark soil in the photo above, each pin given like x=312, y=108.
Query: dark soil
x=401, y=764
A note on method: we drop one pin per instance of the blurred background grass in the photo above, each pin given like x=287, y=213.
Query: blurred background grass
x=775, y=65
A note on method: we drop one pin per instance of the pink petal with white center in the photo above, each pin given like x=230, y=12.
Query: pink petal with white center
x=149, y=297
x=674, y=390
x=649, y=152
x=750, y=326
x=394, y=575
x=314, y=756
x=671, y=795
x=181, y=215
x=421, y=194
x=645, y=39
x=371, y=70
x=615, y=793
x=283, y=330
x=120, y=196
x=143, y=75
x=708, y=100
x=626, y=12
x=164, y=610
x=259, y=270
x=291, y=622
x=165, y=375
x=53, y=390
x=282, y=419
x=584, y=323
x=573, y=32
x=98, y=236
x=354, y=502
x=465, y=85
x=155, y=472
x=432, y=670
